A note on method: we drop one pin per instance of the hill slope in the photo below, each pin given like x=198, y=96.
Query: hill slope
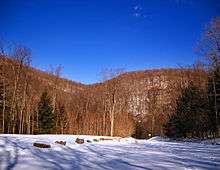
x=121, y=106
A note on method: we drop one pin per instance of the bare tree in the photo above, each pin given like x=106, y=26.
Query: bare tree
x=21, y=57
x=209, y=46
x=111, y=93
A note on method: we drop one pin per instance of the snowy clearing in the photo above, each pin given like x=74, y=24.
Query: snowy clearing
x=18, y=152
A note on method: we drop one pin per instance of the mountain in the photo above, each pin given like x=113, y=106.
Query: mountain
x=132, y=103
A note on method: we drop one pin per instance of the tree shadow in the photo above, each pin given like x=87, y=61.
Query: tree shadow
x=11, y=156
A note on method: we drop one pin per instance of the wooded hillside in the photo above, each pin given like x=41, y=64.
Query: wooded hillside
x=133, y=103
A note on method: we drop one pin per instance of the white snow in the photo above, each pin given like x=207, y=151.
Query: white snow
x=17, y=152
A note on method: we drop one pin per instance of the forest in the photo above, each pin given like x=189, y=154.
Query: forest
x=173, y=102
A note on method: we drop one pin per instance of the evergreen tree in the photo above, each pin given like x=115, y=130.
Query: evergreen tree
x=191, y=114
x=214, y=98
x=45, y=114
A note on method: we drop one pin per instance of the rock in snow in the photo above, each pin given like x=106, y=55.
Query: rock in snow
x=60, y=142
x=79, y=141
x=41, y=145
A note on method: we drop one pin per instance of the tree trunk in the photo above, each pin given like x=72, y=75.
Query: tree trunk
x=112, y=116
x=215, y=102
x=4, y=105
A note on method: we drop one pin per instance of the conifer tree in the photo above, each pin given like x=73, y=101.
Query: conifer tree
x=214, y=98
x=45, y=114
x=191, y=114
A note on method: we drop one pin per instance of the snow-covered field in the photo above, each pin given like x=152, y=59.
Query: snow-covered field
x=18, y=152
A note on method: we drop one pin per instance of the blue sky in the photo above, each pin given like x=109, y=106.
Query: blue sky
x=86, y=36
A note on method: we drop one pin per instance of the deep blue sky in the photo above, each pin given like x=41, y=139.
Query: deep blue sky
x=86, y=36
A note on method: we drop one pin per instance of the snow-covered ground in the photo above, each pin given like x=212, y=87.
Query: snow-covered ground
x=18, y=152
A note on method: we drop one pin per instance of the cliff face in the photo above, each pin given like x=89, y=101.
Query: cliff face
x=131, y=103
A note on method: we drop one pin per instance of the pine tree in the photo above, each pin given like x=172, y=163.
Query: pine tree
x=45, y=114
x=214, y=98
x=191, y=115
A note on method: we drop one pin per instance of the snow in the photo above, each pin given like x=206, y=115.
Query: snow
x=17, y=152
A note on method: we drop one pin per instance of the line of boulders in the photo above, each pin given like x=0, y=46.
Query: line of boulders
x=78, y=141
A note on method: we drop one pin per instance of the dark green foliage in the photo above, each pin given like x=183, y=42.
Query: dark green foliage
x=214, y=98
x=45, y=114
x=191, y=114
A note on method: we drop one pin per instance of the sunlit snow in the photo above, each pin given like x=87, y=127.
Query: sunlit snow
x=18, y=152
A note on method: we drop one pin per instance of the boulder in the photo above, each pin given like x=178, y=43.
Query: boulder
x=102, y=139
x=61, y=142
x=79, y=141
x=88, y=141
x=41, y=145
